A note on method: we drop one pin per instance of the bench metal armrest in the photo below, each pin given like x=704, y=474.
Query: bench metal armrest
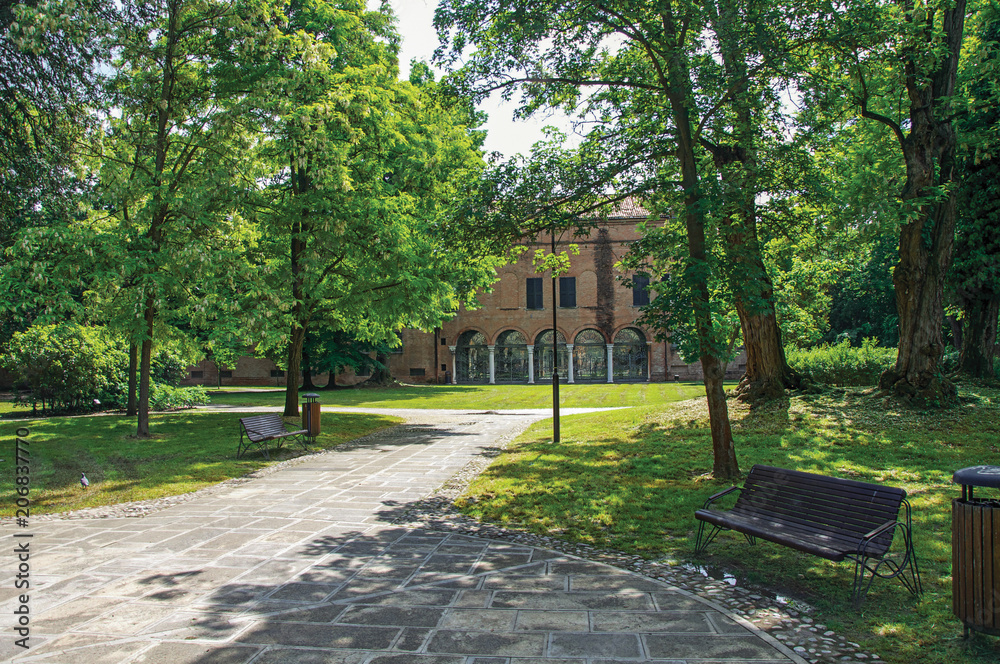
x=715, y=497
x=888, y=525
x=867, y=538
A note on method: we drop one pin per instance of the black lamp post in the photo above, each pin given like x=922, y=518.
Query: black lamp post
x=555, y=353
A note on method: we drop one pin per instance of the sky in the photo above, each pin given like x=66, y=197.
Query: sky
x=504, y=134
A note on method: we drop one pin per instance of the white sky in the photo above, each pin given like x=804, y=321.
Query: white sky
x=504, y=135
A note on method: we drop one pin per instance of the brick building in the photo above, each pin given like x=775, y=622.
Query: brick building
x=509, y=338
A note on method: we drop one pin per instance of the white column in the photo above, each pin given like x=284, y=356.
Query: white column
x=493, y=378
x=569, y=362
x=454, y=365
x=611, y=363
x=531, y=365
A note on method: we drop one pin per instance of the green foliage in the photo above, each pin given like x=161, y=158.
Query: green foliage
x=66, y=366
x=168, y=397
x=863, y=300
x=169, y=367
x=842, y=364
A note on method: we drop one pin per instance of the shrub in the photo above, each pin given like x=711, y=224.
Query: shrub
x=168, y=367
x=842, y=364
x=66, y=366
x=165, y=397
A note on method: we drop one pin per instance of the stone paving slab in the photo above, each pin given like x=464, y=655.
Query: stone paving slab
x=305, y=566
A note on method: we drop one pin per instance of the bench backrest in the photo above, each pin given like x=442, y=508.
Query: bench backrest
x=846, y=508
x=263, y=426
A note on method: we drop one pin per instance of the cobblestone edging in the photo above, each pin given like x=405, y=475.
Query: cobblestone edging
x=789, y=622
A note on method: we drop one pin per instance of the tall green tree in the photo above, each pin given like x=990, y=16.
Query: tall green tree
x=976, y=271
x=910, y=50
x=365, y=172
x=49, y=52
x=172, y=168
x=656, y=109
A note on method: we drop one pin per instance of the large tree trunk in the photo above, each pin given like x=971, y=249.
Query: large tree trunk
x=980, y=337
x=926, y=242
x=679, y=96
x=133, y=366
x=767, y=372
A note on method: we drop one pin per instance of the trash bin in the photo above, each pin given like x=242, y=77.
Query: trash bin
x=975, y=551
x=310, y=414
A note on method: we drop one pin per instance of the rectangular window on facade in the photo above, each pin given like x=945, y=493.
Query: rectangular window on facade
x=533, y=287
x=363, y=371
x=640, y=290
x=417, y=372
x=277, y=373
x=197, y=374
x=226, y=373
x=567, y=292
x=444, y=341
x=398, y=349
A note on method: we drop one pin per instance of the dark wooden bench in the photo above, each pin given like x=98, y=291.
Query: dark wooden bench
x=828, y=517
x=259, y=430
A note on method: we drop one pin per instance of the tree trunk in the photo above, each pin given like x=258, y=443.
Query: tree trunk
x=980, y=336
x=926, y=242
x=382, y=375
x=292, y=375
x=307, y=379
x=142, y=417
x=679, y=95
x=133, y=362
x=956, y=332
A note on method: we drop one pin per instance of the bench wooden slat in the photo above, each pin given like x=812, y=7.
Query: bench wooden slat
x=260, y=429
x=825, y=516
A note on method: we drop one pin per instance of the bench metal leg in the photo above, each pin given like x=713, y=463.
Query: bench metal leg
x=906, y=570
x=702, y=541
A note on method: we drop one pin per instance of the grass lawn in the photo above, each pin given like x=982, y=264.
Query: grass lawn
x=189, y=450
x=632, y=479
x=480, y=397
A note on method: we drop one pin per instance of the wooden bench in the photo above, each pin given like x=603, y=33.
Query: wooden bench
x=828, y=517
x=259, y=430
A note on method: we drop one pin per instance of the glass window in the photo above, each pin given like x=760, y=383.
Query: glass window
x=640, y=290
x=533, y=287
x=567, y=292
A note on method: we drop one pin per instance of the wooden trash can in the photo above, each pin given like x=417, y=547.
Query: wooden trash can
x=310, y=415
x=975, y=551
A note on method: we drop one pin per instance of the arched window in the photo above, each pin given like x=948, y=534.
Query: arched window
x=511, y=358
x=472, y=358
x=630, y=355
x=590, y=357
x=543, y=356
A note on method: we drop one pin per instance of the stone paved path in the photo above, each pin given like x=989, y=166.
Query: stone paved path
x=304, y=566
